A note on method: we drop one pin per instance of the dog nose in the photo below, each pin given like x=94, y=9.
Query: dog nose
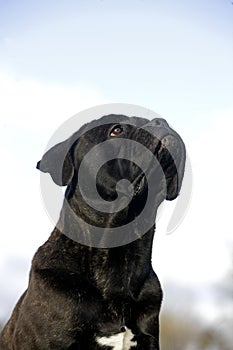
x=158, y=122
x=158, y=127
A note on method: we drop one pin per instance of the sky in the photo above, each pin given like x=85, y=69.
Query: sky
x=58, y=58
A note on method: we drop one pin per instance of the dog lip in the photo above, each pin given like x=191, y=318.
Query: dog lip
x=138, y=183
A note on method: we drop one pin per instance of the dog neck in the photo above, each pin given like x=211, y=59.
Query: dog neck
x=99, y=229
x=127, y=266
x=124, y=268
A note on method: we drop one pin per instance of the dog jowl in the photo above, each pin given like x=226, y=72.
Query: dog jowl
x=91, y=284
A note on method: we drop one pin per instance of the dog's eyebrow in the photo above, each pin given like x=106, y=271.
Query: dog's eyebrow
x=95, y=269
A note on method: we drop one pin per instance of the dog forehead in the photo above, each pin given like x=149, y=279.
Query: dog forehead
x=119, y=118
x=114, y=119
x=99, y=126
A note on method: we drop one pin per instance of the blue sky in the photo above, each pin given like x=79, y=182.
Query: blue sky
x=60, y=57
x=165, y=55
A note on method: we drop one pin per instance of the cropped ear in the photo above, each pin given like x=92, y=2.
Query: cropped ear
x=172, y=157
x=58, y=163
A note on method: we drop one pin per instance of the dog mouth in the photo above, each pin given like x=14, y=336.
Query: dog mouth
x=139, y=184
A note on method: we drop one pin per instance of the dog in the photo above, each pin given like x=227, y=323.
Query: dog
x=92, y=285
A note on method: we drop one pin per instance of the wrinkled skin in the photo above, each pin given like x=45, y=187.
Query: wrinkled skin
x=76, y=292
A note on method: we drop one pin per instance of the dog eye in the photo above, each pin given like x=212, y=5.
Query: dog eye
x=117, y=130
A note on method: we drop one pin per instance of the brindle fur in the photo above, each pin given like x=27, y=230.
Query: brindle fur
x=76, y=292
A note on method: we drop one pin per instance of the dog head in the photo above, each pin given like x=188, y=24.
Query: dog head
x=131, y=149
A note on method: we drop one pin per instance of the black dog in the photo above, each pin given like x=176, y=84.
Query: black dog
x=101, y=293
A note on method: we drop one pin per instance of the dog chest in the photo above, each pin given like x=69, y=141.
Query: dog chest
x=121, y=341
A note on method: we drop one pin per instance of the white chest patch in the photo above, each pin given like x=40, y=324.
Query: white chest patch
x=119, y=341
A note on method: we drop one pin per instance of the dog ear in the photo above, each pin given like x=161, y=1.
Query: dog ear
x=172, y=157
x=58, y=163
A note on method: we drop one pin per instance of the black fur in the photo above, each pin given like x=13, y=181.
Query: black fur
x=78, y=292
